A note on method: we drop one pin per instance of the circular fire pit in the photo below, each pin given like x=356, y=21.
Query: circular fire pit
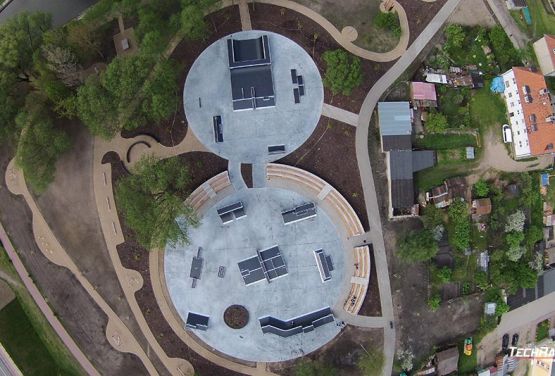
x=236, y=316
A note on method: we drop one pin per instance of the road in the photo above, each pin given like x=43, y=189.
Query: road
x=43, y=305
x=502, y=14
x=365, y=168
x=62, y=10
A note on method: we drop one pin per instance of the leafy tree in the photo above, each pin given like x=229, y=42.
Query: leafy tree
x=125, y=76
x=507, y=56
x=84, y=39
x=96, y=108
x=314, y=368
x=388, y=21
x=371, y=362
x=40, y=144
x=481, y=188
x=10, y=101
x=512, y=275
x=161, y=97
x=432, y=217
x=537, y=262
x=436, y=123
x=533, y=235
x=455, y=36
x=20, y=37
x=193, y=25
x=63, y=62
x=459, y=218
x=343, y=71
x=434, y=302
x=152, y=201
x=418, y=246
x=515, y=222
x=515, y=250
x=405, y=358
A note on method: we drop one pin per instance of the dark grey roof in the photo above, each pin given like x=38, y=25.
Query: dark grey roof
x=300, y=324
x=422, y=159
x=520, y=3
x=252, y=85
x=400, y=142
x=401, y=180
x=197, y=321
x=400, y=164
x=549, y=281
x=251, y=270
x=402, y=193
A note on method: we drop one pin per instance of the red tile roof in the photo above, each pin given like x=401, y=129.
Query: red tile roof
x=423, y=91
x=550, y=41
x=541, y=134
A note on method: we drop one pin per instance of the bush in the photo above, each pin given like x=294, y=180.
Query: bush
x=455, y=37
x=343, y=71
x=481, y=188
x=515, y=222
x=434, y=302
x=542, y=330
x=436, y=123
x=388, y=21
x=418, y=246
x=460, y=222
x=507, y=56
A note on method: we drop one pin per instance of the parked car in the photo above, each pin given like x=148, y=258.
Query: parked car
x=507, y=135
x=515, y=340
x=468, y=346
x=505, y=344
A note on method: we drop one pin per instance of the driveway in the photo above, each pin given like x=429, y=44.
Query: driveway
x=62, y=10
x=502, y=14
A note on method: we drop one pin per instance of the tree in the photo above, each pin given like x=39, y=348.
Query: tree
x=314, y=368
x=455, y=36
x=125, y=76
x=537, y=262
x=20, y=37
x=161, y=97
x=84, y=38
x=481, y=188
x=10, y=101
x=405, y=358
x=96, y=108
x=371, y=362
x=459, y=218
x=193, y=25
x=437, y=122
x=152, y=202
x=515, y=222
x=507, y=56
x=432, y=217
x=418, y=246
x=343, y=71
x=40, y=144
x=63, y=63
x=515, y=250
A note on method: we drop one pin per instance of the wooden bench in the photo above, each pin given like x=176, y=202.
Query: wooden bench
x=357, y=294
x=199, y=196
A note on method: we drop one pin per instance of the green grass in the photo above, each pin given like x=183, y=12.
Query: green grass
x=445, y=141
x=542, y=22
x=468, y=364
x=487, y=109
x=519, y=19
x=46, y=336
x=479, y=239
x=431, y=177
x=542, y=330
x=23, y=344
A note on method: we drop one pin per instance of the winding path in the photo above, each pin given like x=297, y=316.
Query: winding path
x=365, y=168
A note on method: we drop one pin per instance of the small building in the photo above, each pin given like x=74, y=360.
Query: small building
x=447, y=361
x=545, y=52
x=470, y=152
x=395, y=125
x=423, y=94
x=437, y=78
x=480, y=207
x=452, y=188
x=516, y=4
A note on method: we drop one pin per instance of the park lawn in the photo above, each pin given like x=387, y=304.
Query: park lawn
x=46, y=337
x=23, y=344
x=542, y=22
x=487, y=109
x=439, y=141
x=432, y=177
x=479, y=239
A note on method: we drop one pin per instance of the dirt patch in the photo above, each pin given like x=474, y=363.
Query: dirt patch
x=342, y=352
x=419, y=14
x=372, y=304
x=315, y=40
x=246, y=173
x=330, y=154
x=202, y=166
x=236, y=316
x=472, y=13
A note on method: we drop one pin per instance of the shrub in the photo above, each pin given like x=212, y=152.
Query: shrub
x=343, y=71
x=436, y=123
x=481, y=188
x=515, y=222
x=459, y=218
x=388, y=21
x=434, y=302
x=418, y=246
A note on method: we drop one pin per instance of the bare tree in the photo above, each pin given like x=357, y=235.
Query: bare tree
x=63, y=63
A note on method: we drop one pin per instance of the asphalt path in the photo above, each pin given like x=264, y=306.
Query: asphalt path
x=62, y=10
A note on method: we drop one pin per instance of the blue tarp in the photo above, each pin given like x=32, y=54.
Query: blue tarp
x=527, y=16
x=545, y=179
x=497, y=85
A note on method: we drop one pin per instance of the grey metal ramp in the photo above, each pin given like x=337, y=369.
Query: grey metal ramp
x=322, y=263
x=299, y=213
x=197, y=321
x=258, y=175
x=251, y=270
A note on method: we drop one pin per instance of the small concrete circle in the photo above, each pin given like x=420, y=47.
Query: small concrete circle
x=349, y=33
x=301, y=291
x=236, y=316
x=247, y=134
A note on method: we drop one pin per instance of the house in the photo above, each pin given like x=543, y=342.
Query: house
x=480, y=207
x=516, y=4
x=395, y=125
x=530, y=112
x=447, y=361
x=423, y=94
x=402, y=162
x=452, y=188
x=545, y=52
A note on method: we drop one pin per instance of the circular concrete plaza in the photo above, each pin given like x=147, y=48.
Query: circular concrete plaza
x=299, y=292
x=247, y=134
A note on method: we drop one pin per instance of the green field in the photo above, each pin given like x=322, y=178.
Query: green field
x=542, y=21
x=487, y=109
x=23, y=328
x=445, y=141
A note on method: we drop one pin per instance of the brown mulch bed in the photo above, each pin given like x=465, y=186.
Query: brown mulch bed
x=303, y=30
x=134, y=256
x=372, y=304
x=419, y=14
x=172, y=131
x=236, y=316
x=246, y=173
x=330, y=154
x=202, y=166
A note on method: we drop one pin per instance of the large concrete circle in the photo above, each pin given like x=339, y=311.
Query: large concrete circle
x=247, y=134
x=300, y=292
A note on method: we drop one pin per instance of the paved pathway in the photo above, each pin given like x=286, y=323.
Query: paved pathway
x=365, y=168
x=345, y=37
x=117, y=334
x=44, y=307
x=7, y=365
x=502, y=14
x=340, y=114
x=245, y=15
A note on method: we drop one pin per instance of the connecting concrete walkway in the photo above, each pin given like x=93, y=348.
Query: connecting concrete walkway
x=340, y=114
x=245, y=15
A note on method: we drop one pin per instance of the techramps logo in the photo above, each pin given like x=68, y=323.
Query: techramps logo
x=537, y=352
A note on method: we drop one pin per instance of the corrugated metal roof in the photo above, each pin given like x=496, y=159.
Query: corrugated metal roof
x=395, y=118
x=422, y=159
x=403, y=142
